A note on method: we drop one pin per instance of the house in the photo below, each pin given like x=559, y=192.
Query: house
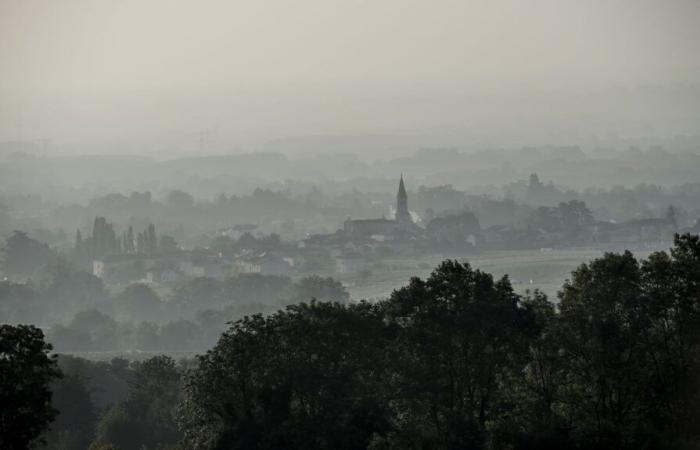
x=163, y=274
x=111, y=264
x=208, y=269
x=350, y=264
x=98, y=268
x=264, y=264
x=246, y=267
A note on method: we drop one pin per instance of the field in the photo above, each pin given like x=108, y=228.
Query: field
x=528, y=270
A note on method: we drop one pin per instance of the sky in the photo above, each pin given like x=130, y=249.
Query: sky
x=89, y=69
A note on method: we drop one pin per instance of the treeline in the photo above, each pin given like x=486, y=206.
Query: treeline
x=192, y=320
x=180, y=216
x=454, y=361
x=105, y=241
x=296, y=209
x=460, y=361
x=57, y=291
x=93, y=331
x=514, y=201
x=568, y=223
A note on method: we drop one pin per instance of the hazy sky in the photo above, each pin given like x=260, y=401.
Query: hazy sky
x=64, y=61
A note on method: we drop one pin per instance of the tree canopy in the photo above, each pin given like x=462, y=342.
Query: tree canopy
x=456, y=360
x=26, y=371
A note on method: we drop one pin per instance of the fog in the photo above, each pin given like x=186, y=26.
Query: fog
x=351, y=224
x=154, y=77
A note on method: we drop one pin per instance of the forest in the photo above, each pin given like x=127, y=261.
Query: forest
x=457, y=360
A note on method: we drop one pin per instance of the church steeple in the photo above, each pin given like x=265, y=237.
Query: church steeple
x=402, y=214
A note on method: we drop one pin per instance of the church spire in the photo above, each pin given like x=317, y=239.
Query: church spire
x=402, y=214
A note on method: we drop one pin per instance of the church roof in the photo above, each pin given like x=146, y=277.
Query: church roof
x=402, y=188
x=372, y=221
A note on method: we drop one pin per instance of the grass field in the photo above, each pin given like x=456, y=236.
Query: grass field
x=527, y=269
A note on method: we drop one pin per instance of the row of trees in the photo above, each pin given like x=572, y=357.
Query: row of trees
x=567, y=223
x=509, y=203
x=138, y=320
x=60, y=296
x=104, y=241
x=93, y=331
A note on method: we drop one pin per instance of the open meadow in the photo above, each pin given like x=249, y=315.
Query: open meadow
x=545, y=269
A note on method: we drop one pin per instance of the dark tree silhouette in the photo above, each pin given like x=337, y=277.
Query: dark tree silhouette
x=26, y=372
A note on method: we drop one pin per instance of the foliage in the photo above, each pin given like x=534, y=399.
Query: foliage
x=146, y=419
x=26, y=372
x=289, y=381
x=137, y=300
x=460, y=335
x=24, y=256
x=454, y=231
x=458, y=360
x=319, y=288
x=73, y=427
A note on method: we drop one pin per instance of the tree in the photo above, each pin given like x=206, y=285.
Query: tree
x=602, y=318
x=79, y=250
x=534, y=396
x=138, y=300
x=25, y=256
x=671, y=214
x=676, y=216
x=574, y=215
x=304, y=378
x=151, y=240
x=257, y=288
x=88, y=330
x=76, y=418
x=460, y=333
x=141, y=243
x=116, y=430
x=672, y=336
x=146, y=418
x=198, y=293
x=72, y=291
x=568, y=222
x=180, y=335
x=147, y=241
x=319, y=288
x=102, y=446
x=454, y=231
x=146, y=337
x=5, y=219
x=104, y=239
x=180, y=199
x=19, y=303
x=535, y=184
x=129, y=244
x=167, y=244
x=26, y=373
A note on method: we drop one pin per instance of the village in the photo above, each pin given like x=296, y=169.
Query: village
x=361, y=248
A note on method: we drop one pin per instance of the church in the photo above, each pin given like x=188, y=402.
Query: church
x=401, y=224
